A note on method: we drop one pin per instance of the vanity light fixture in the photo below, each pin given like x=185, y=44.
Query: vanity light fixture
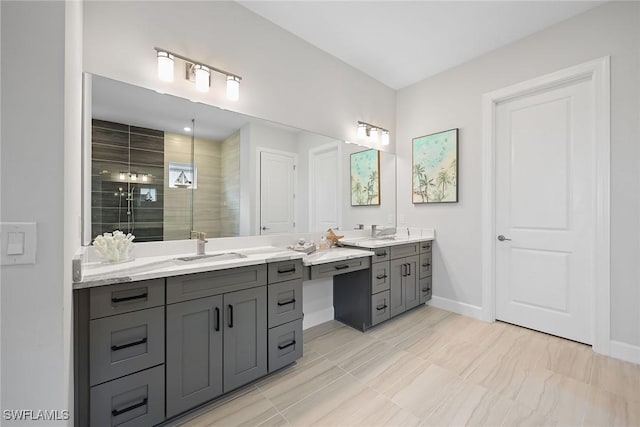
x=187, y=129
x=145, y=178
x=122, y=176
x=197, y=71
x=373, y=132
x=134, y=177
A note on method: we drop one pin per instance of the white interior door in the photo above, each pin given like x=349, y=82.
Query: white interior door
x=545, y=205
x=324, y=188
x=277, y=192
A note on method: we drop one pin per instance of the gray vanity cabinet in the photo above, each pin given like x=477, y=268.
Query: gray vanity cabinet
x=194, y=353
x=245, y=336
x=404, y=290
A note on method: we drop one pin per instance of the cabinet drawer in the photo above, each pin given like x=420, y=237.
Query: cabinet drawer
x=381, y=254
x=192, y=286
x=425, y=289
x=405, y=250
x=339, y=267
x=284, y=270
x=285, y=344
x=380, y=277
x=125, y=297
x=425, y=246
x=284, y=302
x=425, y=265
x=126, y=343
x=379, y=308
x=133, y=401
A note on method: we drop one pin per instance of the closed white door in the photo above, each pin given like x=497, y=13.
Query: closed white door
x=324, y=188
x=545, y=210
x=277, y=181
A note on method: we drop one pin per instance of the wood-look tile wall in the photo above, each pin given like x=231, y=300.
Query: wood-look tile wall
x=119, y=148
x=230, y=168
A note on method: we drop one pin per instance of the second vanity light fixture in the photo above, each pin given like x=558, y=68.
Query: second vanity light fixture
x=373, y=132
x=197, y=71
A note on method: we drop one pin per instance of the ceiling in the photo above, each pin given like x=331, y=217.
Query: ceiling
x=402, y=42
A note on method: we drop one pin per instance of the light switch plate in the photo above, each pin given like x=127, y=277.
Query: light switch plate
x=13, y=235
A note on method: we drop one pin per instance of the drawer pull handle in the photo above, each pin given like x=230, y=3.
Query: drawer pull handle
x=383, y=253
x=289, y=344
x=117, y=412
x=381, y=307
x=131, y=344
x=425, y=289
x=217, y=319
x=288, y=270
x=409, y=267
x=426, y=265
x=230, y=324
x=341, y=267
x=287, y=302
x=116, y=300
x=381, y=276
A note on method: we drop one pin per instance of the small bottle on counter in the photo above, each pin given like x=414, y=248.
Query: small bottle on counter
x=324, y=244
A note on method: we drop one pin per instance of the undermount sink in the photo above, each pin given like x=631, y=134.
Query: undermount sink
x=212, y=257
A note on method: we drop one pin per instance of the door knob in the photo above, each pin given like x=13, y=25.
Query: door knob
x=265, y=228
x=502, y=238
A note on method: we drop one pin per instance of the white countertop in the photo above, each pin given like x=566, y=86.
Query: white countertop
x=153, y=267
x=381, y=242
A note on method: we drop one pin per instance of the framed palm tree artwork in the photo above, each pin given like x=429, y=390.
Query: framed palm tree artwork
x=365, y=178
x=435, y=168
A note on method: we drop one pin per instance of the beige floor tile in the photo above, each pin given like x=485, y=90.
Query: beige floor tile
x=608, y=409
x=424, y=344
x=276, y=421
x=524, y=416
x=460, y=357
x=321, y=329
x=329, y=405
x=249, y=409
x=471, y=405
x=567, y=358
x=556, y=396
x=616, y=376
x=295, y=385
x=425, y=391
x=361, y=350
x=328, y=342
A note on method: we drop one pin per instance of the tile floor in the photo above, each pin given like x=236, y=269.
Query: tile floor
x=430, y=367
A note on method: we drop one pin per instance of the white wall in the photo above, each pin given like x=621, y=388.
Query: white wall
x=36, y=319
x=453, y=99
x=284, y=78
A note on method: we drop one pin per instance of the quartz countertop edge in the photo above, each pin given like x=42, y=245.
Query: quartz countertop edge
x=146, y=268
x=381, y=242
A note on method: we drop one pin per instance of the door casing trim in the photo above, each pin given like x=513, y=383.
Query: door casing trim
x=598, y=72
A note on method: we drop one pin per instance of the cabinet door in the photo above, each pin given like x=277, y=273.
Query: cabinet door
x=194, y=353
x=411, y=285
x=396, y=288
x=245, y=336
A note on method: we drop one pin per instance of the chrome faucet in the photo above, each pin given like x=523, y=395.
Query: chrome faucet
x=201, y=236
x=374, y=230
x=359, y=227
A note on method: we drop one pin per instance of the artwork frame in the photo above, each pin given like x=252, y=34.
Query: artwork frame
x=434, y=168
x=365, y=178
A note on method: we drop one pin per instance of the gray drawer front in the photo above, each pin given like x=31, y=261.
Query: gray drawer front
x=284, y=302
x=425, y=289
x=284, y=270
x=380, y=277
x=380, y=310
x=381, y=254
x=405, y=250
x=425, y=265
x=339, y=267
x=126, y=343
x=133, y=401
x=125, y=297
x=192, y=286
x=425, y=246
x=285, y=344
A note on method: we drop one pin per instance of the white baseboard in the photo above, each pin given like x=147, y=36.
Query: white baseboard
x=457, y=307
x=624, y=351
x=317, y=317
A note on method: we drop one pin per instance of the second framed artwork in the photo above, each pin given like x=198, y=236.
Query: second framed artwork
x=365, y=178
x=435, y=168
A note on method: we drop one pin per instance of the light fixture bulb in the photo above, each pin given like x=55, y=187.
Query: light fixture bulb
x=362, y=131
x=134, y=177
x=385, y=138
x=165, y=66
x=373, y=134
x=233, y=88
x=187, y=129
x=121, y=176
x=202, y=77
x=144, y=178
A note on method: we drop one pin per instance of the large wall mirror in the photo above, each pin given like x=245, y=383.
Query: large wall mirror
x=162, y=166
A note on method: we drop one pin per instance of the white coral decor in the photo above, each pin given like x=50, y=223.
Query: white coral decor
x=114, y=247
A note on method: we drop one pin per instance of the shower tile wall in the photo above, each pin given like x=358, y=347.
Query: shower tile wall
x=230, y=168
x=118, y=201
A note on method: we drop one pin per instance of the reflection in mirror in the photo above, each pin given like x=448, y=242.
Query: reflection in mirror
x=163, y=166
